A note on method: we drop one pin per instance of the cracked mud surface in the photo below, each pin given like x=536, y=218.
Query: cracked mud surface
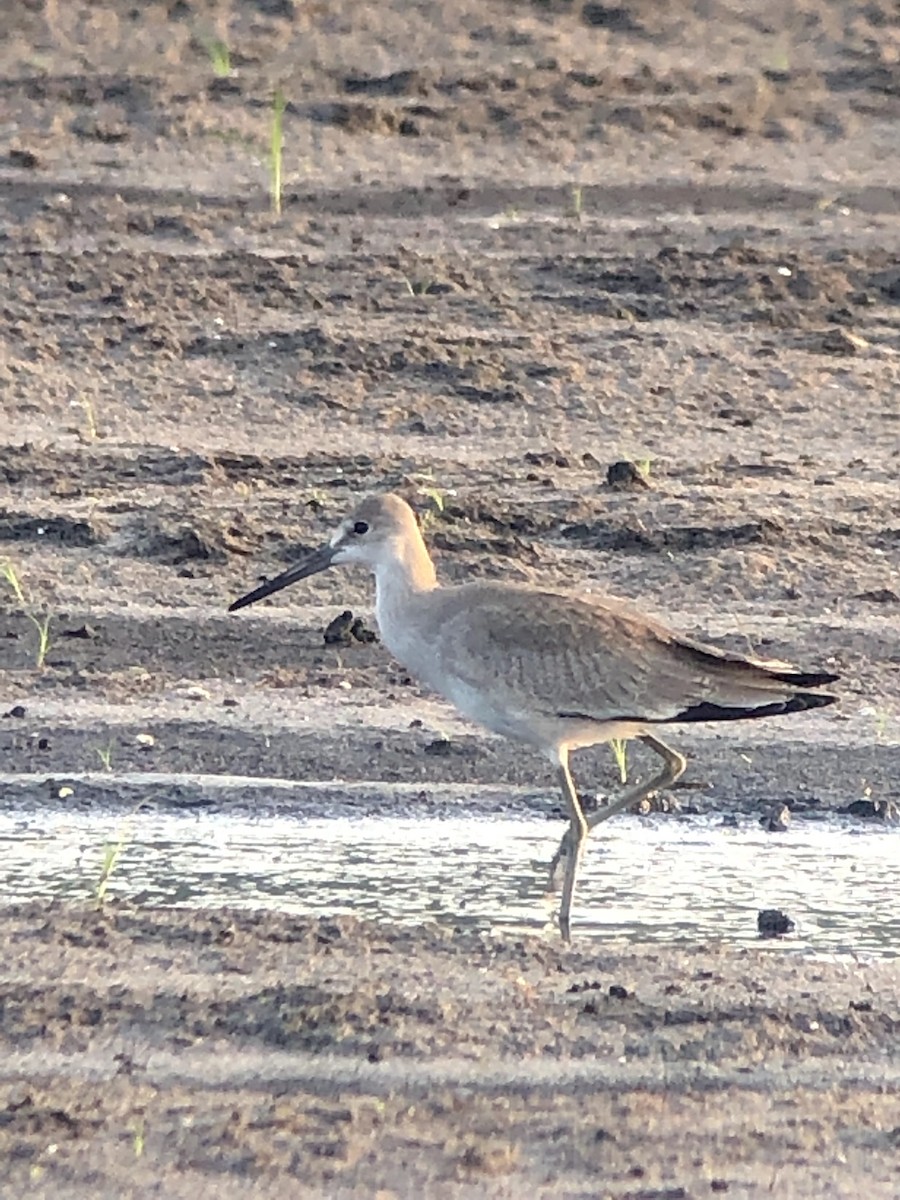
x=191, y=394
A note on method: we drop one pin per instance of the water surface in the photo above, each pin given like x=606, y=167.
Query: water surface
x=655, y=879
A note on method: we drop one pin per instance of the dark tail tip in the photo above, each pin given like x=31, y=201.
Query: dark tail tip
x=804, y=700
x=805, y=680
x=800, y=702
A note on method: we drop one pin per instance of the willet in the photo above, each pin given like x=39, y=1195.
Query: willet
x=558, y=671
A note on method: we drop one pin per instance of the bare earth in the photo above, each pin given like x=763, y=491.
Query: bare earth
x=520, y=242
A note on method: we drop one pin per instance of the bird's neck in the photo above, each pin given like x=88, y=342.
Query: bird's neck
x=408, y=574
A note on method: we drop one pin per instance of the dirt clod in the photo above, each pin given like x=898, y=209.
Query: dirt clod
x=772, y=922
x=626, y=476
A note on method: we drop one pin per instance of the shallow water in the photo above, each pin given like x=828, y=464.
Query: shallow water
x=654, y=879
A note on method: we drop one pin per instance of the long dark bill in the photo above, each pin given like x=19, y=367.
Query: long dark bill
x=319, y=560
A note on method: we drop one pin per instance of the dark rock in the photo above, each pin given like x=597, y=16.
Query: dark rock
x=777, y=819
x=879, y=596
x=286, y=9
x=872, y=810
x=841, y=341
x=337, y=632
x=26, y=159
x=659, y=802
x=626, y=476
x=223, y=86
x=361, y=632
x=772, y=922
x=610, y=16
x=444, y=748
x=346, y=628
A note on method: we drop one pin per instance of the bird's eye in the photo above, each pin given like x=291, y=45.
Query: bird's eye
x=360, y=528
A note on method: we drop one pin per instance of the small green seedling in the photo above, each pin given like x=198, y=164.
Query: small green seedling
x=41, y=624
x=781, y=53
x=418, y=287
x=219, y=56
x=90, y=418
x=105, y=756
x=577, y=208
x=112, y=852
x=276, y=142
x=619, y=747
x=436, y=496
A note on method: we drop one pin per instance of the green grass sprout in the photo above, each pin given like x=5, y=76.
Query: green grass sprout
x=112, y=853
x=90, y=418
x=220, y=57
x=619, y=747
x=436, y=509
x=41, y=624
x=435, y=495
x=276, y=144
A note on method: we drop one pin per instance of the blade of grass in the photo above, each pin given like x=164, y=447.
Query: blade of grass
x=9, y=574
x=41, y=624
x=276, y=142
x=112, y=852
x=220, y=57
x=619, y=747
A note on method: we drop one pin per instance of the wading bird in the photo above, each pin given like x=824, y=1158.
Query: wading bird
x=555, y=670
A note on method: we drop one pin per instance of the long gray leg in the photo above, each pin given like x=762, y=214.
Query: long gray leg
x=673, y=766
x=575, y=838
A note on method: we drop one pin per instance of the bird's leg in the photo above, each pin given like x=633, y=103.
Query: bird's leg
x=575, y=838
x=673, y=766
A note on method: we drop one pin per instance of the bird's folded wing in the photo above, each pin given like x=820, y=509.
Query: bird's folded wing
x=580, y=656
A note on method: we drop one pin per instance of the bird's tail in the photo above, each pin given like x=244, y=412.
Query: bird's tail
x=767, y=707
x=752, y=687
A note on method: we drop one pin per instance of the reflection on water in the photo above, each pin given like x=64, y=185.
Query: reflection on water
x=646, y=880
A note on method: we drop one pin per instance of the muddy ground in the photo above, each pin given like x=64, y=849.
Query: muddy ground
x=519, y=242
